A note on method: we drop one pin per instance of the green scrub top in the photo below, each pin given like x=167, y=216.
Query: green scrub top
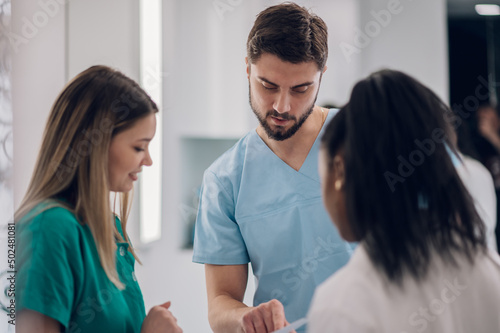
x=59, y=275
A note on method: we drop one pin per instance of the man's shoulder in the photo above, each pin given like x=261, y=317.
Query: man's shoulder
x=232, y=160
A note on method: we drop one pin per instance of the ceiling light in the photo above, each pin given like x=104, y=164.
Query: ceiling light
x=488, y=10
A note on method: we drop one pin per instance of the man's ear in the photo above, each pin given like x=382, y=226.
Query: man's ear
x=248, y=67
x=324, y=69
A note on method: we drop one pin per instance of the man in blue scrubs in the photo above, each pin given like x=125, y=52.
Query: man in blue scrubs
x=261, y=200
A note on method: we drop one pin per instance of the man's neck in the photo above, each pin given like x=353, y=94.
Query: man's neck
x=294, y=150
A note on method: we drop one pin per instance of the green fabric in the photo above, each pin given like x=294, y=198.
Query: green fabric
x=59, y=275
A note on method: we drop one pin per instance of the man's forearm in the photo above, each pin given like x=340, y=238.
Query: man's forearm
x=225, y=314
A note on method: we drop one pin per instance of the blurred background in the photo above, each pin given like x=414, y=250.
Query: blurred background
x=189, y=55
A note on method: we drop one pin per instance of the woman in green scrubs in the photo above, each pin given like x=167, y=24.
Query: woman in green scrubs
x=75, y=262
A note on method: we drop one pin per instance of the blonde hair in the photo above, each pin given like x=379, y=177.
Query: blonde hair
x=72, y=166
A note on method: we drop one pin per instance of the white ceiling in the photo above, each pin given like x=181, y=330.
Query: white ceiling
x=466, y=7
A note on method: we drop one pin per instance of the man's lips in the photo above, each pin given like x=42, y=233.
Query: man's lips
x=279, y=121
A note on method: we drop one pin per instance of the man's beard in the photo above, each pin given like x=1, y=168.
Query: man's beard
x=280, y=134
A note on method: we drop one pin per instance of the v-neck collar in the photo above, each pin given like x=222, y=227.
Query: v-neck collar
x=309, y=166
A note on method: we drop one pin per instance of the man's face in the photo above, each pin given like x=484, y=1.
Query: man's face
x=282, y=94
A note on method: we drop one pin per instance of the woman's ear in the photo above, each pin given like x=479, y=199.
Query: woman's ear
x=338, y=171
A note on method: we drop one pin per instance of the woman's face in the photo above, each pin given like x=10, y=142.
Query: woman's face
x=331, y=172
x=128, y=152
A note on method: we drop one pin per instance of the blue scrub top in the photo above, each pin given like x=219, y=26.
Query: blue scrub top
x=256, y=208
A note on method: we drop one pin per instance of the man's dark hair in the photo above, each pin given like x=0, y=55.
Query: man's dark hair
x=291, y=33
x=430, y=210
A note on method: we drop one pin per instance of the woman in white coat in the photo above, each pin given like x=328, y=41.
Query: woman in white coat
x=389, y=183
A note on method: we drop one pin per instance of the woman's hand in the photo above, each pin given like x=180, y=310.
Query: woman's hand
x=161, y=320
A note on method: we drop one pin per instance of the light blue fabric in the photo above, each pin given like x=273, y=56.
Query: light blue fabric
x=255, y=208
x=454, y=158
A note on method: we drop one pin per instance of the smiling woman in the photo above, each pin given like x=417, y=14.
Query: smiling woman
x=75, y=260
x=128, y=152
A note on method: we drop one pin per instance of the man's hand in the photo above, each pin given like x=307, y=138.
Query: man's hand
x=226, y=286
x=265, y=318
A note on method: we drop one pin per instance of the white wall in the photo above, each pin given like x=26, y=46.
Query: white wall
x=340, y=16
x=103, y=33
x=38, y=74
x=415, y=41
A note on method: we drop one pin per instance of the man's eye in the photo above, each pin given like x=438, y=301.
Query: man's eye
x=268, y=87
x=300, y=90
x=138, y=149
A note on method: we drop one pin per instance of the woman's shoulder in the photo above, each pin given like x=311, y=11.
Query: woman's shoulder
x=346, y=299
x=353, y=281
x=51, y=216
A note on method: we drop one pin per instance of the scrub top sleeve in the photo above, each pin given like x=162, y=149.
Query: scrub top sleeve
x=48, y=264
x=217, y=237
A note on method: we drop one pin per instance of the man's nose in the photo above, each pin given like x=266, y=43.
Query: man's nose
x=282, y=103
